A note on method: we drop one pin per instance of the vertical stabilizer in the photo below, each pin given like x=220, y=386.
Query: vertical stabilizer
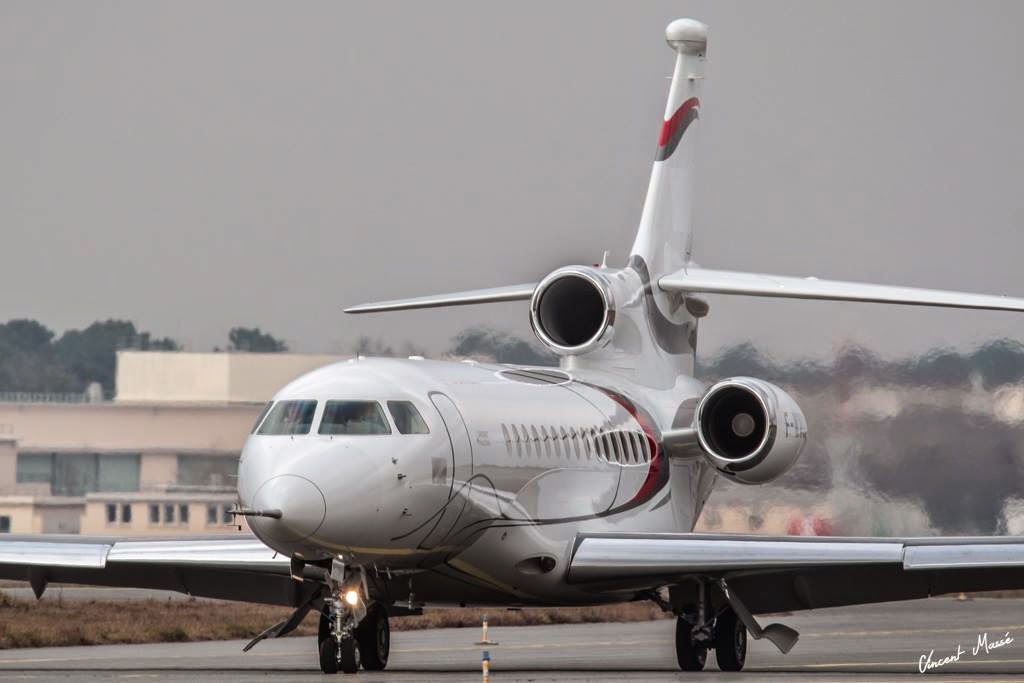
x=664, y=238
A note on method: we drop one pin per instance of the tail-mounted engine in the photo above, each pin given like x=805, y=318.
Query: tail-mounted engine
x=751, y=430
x=573, y=310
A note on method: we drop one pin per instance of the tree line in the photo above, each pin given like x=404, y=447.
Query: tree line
x=34, y=359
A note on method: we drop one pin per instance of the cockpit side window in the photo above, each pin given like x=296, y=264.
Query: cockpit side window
x=407, y=418
x=353, y=417
x=289, y=417
x=263, y=414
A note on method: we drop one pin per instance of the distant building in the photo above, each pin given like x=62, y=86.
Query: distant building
x=161, y=458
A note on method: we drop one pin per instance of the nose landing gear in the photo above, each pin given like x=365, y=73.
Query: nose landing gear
x=353, y=633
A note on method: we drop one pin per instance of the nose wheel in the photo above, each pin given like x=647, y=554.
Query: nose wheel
x=353, y=636
x=338, y=651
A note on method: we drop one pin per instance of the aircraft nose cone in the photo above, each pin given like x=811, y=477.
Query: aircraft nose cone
x=301, y=503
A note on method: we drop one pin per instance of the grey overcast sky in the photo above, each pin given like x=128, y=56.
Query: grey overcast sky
x=193, y=166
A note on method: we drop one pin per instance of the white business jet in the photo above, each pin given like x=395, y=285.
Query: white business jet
x=375, y=487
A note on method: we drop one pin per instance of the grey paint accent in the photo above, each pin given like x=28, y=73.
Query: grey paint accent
x=672, y=337
x=666, y=150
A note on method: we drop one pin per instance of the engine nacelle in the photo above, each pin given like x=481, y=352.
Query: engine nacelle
x=573, y=310
x=750, y=430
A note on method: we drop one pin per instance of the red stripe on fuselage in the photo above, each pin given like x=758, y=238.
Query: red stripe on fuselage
x=653, y=479
x=668, y=128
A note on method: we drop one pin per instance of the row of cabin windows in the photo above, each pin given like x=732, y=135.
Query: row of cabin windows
x=339, y=417
x=169, y=513
x=622, y=447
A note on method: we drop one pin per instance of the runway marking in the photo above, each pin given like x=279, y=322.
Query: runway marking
x=837, y=665
x=910, y=631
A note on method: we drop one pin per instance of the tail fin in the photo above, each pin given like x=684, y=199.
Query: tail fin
x=664, y=238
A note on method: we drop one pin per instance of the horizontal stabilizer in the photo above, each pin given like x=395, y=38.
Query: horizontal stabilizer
x=702, y=280
x=475, y=296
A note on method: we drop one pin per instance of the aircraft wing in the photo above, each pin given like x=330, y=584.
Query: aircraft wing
x=705, y=281
x=773, y=574
x=231, y=568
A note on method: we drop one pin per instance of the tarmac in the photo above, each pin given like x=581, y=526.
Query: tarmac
x=875, y=642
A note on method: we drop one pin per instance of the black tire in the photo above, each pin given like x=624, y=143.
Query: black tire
x=730, y=641
x=690, y=655
x=328, y=656
x=374, y=638
x=324, y=630
x=349, y=656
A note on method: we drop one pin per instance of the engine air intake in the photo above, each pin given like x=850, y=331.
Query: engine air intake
x=572, y=311
x=751, y=431
x=734, y=422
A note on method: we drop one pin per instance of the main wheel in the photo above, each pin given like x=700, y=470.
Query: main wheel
x=374, y=638
x=730, y=641
x=691, y=655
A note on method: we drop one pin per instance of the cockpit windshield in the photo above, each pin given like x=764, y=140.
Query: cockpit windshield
x=407, y=418
x=263, y=414
x=289, y=417
x=353, y=417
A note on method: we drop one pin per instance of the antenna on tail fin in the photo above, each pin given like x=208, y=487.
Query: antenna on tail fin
x=664, y=238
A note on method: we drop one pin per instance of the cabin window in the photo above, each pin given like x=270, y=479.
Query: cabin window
x=354, y=417
x=289, y=418
x=407, y=418
x=629, y=448
x=508, y=439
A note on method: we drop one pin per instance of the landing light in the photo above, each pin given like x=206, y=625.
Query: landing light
x=352, y=597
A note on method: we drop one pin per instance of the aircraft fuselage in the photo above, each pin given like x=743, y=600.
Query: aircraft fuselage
x=514, y=462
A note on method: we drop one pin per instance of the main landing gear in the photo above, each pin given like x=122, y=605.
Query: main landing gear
x=724, y=633
x=710, y=616
x=352, y=633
